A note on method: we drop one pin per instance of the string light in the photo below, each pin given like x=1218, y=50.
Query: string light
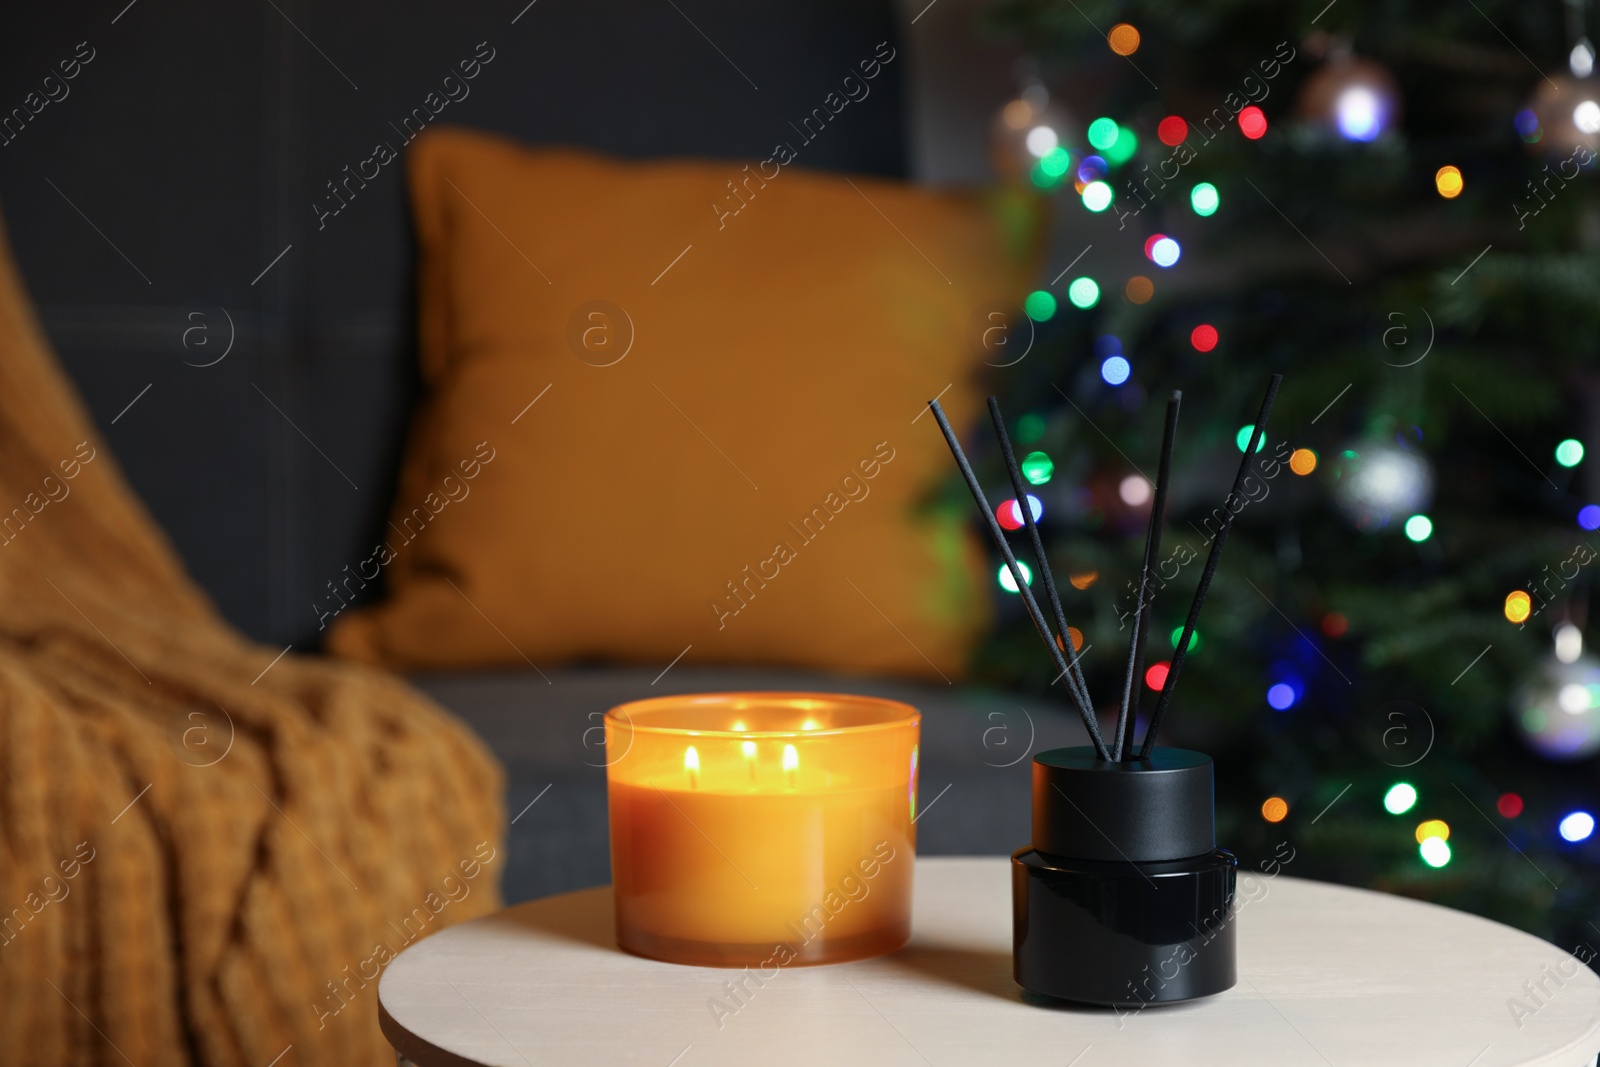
x=1040, y=306
x=1203, y=337
x=1509, y=805
x=1433, y=828
x=1084, y=293
x=1139, y=289
x=1165, y=252
x=1253, y=122
x=1435, y=853
x=1246, y=432
x=1123, y=39
x=1274, y=809
x=1008, y=583
x=1518, y=606
x=1281, y=697
x=1156, y=676
x=1115, y=370
x=1577, y=826
x=1172, y=131
x=1205, y=199
x=1419, y=528
x=1097, y=196
x=1449, y=182
x=1569, y=453
x=1401, y=798
x=1037, y=468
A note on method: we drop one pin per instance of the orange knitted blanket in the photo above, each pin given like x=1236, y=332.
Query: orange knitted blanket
x=207, y=852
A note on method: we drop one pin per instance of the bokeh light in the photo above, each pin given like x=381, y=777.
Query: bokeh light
x=1103, y=133
x=1075, y=635
x=1335, y=624
x=1433, y=828
x=1040, y=305
x=1165, y=252
x=1519, y=606
x=1434, y=852
x=1084, y=579
x=1092, y=169
x=1241, y=440
x=1115, y=370
x=1010, y=516
x=1008, y=583
x=1419, y=528
x=1253, y=123
x=1569, y=453
x=1449, y=182
x=1030, y=428
x=1123, y=148
x=1156, y=676
x=1123, y=39
x=1401, y=798
x=1281, y=697
x=1037, y=467
x=1509, y=805
x=1203, y=337
x=1097, y=196
x=1527, y=124
x=1205, y=199
x=1302, y=461
x=1172, y=131
x=1589, y=516
x=1041, y=141
x=1577, y=826
x=1150, y=243
x=1194, y=638
x=1139, y=289
x=1360, y=113
x=1084, y=293
x=1134, y=491
x=1056, y=162
x=1274, y=809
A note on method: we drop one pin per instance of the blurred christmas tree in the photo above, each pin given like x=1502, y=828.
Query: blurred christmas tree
x=1394, y=206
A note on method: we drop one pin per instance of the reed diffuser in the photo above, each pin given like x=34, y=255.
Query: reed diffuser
x=1123, y=897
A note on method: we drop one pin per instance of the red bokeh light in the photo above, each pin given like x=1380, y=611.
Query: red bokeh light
x=1010, y=515
x=1203, y=337
x=1156, y=676
x=1334, y=624
x=1253, y=122
x=1172, y=130
x=1509, y=805
x=1150, y=243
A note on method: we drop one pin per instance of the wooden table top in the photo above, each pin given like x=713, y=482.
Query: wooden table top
x=1327, y=976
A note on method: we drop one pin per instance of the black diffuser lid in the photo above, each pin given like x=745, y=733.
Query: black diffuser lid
x=1140, y=811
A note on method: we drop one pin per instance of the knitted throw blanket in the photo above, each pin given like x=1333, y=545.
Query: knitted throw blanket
x=207, y=851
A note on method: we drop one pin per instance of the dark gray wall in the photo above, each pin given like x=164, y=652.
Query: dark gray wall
x=186, y=155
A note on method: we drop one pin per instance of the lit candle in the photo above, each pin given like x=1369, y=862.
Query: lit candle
x=762, y=828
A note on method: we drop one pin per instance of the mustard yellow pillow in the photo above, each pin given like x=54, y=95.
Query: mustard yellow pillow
x=674, y=406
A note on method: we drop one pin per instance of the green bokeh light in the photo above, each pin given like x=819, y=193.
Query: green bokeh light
x=1097, y=196
x=1009, y=583
x=1242, y=438
x=1040, y=306
x=1122, y=149
x=1205, y=199
x=1569, y=453
x=1084, y=293
x=1030, y=428
x=1435, y=852
x=1056, y=162
x=1419, y=528
x=1194, y=638
x=1401, y=798
x=1103, y=133
x=1037, y=468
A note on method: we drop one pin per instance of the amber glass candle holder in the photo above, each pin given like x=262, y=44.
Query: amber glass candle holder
x=762, y=829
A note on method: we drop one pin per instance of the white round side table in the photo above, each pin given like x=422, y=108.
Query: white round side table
x=1328, y=976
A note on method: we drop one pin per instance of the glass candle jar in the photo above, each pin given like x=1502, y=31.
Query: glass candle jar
x=762, y=829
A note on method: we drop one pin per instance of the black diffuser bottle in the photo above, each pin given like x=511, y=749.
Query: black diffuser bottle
x=1123, y=898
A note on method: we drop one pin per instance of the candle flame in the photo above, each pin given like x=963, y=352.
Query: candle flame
x=791, y=759
x=749, y=748
x=691, y=764
x=811, y=724
x=739, y=726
